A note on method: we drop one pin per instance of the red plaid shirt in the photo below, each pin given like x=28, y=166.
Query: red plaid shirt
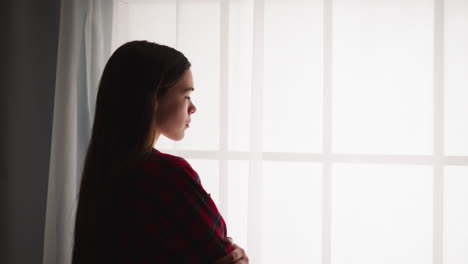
x=172, y=219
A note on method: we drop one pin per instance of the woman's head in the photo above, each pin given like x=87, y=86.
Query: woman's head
x=137, y=75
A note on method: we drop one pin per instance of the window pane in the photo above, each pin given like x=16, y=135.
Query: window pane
x=381, y=214
x=238, y=191
x=292, y=94
x=199, y=25
x=135, y=20
x=383, y=76
x=240, y=74
x=154, y=21
x=208, y=170
x=456, y=215
x=292, y=209
x=456, y=77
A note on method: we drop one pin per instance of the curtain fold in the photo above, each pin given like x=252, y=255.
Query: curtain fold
x=84, y=47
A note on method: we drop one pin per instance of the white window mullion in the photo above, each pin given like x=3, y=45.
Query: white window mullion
x=254, y=221
x=455, y=160
x=327, y=133
x=319, y=157
x=438, y=132
x=223, y=105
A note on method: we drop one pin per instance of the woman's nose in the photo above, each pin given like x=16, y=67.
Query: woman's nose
x=193, y=109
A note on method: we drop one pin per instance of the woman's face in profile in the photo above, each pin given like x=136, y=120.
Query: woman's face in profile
x=174, y=109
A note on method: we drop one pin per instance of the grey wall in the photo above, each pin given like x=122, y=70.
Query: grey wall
x=28, y=55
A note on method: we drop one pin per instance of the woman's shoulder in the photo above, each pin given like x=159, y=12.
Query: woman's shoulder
x=162, y=164
x=164, y=161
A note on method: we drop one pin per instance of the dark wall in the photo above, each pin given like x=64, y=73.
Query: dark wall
x=28, y=54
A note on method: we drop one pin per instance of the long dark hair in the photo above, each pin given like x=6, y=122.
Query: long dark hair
x=123, y=131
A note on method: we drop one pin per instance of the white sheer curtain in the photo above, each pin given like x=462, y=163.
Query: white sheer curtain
x=84, y=46
x=326, y=131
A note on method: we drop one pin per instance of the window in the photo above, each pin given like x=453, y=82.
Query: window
x=325, y=132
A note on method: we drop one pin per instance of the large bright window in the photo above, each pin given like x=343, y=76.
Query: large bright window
x=331, y=132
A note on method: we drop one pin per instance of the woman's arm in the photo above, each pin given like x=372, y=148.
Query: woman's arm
x=181, y=219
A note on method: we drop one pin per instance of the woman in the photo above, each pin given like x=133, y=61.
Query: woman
x=136, y=204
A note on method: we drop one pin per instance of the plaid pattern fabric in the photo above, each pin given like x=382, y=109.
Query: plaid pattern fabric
x=173, y=219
